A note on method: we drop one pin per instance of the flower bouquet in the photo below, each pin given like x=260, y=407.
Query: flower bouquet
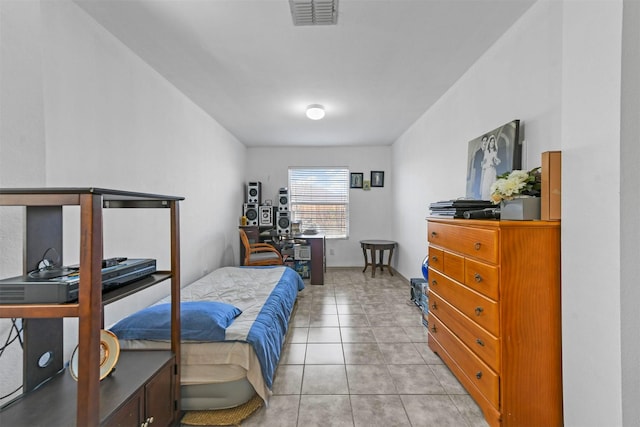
x=516, y=184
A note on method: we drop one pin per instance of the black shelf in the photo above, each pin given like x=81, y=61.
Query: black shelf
x=133, y=287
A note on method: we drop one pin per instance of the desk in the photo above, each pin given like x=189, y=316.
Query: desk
x=316, y=241
x=377, y=246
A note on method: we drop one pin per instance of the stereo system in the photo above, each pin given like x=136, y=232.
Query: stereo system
x=283, y=225
x=283, y=200
x=251, y=212
x=266, y=216
x=254, y=192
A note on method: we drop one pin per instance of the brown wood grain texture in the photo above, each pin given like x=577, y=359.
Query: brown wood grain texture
x=515, y=265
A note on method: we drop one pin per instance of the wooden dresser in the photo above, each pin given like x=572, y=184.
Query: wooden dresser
x=494, y=315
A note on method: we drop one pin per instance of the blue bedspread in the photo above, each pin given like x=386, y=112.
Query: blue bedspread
x=270, y=327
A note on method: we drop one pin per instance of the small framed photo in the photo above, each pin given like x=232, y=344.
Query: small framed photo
x=377, y=178
x=357, y=179
x=366, y=185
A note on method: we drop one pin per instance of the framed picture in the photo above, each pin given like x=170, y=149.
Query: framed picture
x=492, y=154
x=366, y=185
x=356, y=179
x=377, y=179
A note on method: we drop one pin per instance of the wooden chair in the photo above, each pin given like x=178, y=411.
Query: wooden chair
x=259, y=253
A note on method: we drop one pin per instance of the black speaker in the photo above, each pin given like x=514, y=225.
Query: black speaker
x=283, y=200
x=254, y=192
x=251, y=212
x=283, y=225
x=266, y=216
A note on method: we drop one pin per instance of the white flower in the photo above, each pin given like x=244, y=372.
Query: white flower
x=519, y=176
x=511, y=185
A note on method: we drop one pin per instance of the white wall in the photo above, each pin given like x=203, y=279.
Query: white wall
x=370, y=211
x=630, y=223
x=517, y=78
x=591, y=267
x=557, y=69
x=112, y=121
x=22, y=145
x=80, y=109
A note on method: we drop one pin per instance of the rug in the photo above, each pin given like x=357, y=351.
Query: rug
x=223, y=417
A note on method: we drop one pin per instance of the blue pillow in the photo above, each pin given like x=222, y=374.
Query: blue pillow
x=199, y=321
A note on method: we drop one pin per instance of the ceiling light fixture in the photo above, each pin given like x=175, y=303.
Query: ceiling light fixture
x=315, y=111
x=314, y=12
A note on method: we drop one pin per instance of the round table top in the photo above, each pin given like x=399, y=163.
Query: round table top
x=378, y=242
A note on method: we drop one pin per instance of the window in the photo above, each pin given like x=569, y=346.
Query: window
x=320, y=197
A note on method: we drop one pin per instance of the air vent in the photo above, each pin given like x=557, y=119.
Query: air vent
x=314, y=12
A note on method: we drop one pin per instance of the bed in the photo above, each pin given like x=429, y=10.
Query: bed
x=225, y=365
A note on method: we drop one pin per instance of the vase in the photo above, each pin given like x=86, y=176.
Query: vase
x=525, y=208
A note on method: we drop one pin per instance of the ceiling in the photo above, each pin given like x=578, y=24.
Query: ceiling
x=245, y=63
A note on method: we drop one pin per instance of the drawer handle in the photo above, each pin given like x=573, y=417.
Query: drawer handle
x=434, y=234
x=434, y=258
x=479, y=374
x=434, y=306
x=479, y=311
x=477, y=246
x=433, y=329
x=434, y=282
x=477, y=277
x=479, y=342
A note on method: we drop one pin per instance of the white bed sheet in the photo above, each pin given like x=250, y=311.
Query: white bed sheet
x=212, y=363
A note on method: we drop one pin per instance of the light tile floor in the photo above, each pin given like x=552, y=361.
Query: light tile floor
x=356, y=355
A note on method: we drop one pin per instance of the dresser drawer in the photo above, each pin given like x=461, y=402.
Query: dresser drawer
x=454, y=266
x=475, y=242
x=482, y=278
x=475, y=306
x=478, y=373
x=436, y=258
x=477, y=339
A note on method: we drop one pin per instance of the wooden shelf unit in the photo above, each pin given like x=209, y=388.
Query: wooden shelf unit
x=88, y=402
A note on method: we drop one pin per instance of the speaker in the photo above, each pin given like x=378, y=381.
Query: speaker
x=283, y=225
x=266, y=216
x=251, y=212
x=254, y=192
x=283, y=200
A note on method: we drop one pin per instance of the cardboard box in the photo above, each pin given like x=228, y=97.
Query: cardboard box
x=550, y=192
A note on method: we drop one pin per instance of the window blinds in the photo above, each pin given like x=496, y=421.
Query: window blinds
x=319, y=198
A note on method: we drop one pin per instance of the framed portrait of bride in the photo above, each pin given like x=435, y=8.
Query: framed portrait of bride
x=490, y=155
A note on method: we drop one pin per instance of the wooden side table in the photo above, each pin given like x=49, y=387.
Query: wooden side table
x=377, y=246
